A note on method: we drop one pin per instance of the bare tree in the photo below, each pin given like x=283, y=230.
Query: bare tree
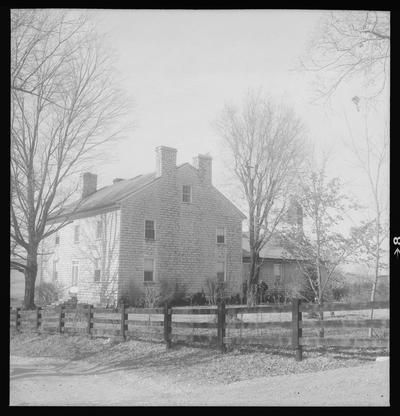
x=266, y=143
x=349, y=44
x=371, y=153
x=64, y=105
x=323, y=248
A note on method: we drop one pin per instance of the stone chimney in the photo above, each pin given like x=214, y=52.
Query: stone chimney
x=89, y=184
x=115, y=180
x=165, y=161
x=204, y=165
x=294, y=214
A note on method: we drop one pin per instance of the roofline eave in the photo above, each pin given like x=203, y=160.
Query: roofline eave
x=89, y=212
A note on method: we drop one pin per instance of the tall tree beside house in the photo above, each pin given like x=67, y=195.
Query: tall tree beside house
x=267, y=146
x=372, y=158
x=64, y=105
x=321, y=248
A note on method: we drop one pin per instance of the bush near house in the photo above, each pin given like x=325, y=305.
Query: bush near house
x=199, y=299
x=173, y=292
x=46, y=293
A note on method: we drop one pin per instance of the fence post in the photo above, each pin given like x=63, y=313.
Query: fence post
x=221, y=320
x=296, y=330
x=167, y=325
x=61, y=320
x=89, y=323
x=17, y=321
x=123, y=319
x=38, y=318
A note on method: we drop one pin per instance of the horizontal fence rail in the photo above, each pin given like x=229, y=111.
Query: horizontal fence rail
x=219, y=325
x=337, y=306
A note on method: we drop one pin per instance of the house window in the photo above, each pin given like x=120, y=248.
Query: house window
x=99, y=229
x=277, y=274
x=57, y=240
x=186, y=193
x=97, y=271
x=76, y=234
x=75, y=272
x=148, y=269
x=55, y=275
x=149, y=231
x=221, y=271
x=221, y=235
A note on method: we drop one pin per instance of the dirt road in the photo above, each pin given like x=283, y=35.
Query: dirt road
x=49, y=381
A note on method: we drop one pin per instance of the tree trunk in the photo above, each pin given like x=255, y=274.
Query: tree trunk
x=373, y=291
x=374, y=285
x=321, y=316
x=321, y=330
x=253, y=279
x=30, y=280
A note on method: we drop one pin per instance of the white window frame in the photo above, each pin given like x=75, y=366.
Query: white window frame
x=54, y=273
x=218, y=235
x=224, y=263
x=278, y=278
x=144, y=269
x=154, y=229
x=97, y=267
x=190, y=194
x=75, y=265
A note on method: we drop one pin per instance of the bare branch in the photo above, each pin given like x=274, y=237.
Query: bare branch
x=65, y=104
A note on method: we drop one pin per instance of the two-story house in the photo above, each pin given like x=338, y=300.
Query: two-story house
x=171, y=224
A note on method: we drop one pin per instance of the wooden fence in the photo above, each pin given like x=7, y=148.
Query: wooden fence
x=211, y=324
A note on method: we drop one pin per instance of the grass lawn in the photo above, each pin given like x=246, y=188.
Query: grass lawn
x=184, y=363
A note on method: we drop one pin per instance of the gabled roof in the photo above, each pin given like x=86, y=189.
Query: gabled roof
x=271, y=250
x=108, y=195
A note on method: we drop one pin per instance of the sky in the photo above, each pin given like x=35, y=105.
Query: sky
x=182, y=67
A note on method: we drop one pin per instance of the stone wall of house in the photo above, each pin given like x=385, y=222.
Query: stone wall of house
x=86, y=252
x=185, y=248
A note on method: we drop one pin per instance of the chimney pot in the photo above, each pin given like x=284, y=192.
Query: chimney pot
x=295, y=214
x=165, y=161
x=89, y=184
x=204, y=165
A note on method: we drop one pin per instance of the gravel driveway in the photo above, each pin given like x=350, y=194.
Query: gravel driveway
x=49, y=381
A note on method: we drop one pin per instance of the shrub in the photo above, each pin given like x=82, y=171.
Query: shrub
x=235, y=299
x=173, y=291
x=199, y=299
x=338, y=294
x=47, y=293
x=151, y=296
x=133, y=297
